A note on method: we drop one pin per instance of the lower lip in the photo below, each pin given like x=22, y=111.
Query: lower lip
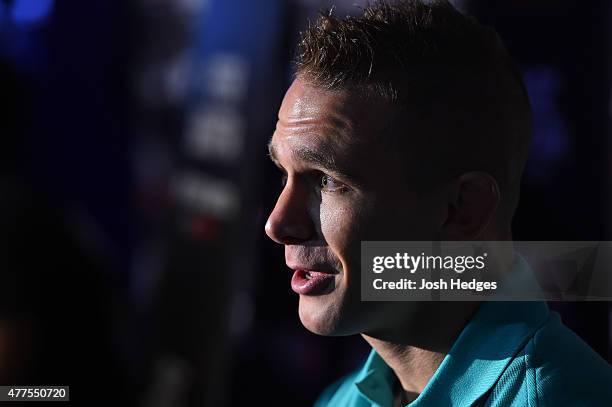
x=310, y=282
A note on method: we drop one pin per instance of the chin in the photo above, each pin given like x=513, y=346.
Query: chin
x=322, y=316
x=317, y=315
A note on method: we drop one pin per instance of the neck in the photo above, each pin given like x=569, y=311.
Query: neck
x=415, y=348
x=415, y=352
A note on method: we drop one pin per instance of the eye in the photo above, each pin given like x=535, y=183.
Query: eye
x=329, y=184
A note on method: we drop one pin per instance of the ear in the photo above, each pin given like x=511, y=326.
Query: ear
x=474, y=199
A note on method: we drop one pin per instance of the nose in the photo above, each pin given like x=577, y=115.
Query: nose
x=290, y=221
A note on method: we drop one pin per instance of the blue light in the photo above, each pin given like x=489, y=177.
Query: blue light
x=552, y=141
x=31, y=11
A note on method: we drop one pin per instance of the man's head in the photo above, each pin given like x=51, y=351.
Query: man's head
x=406, y=123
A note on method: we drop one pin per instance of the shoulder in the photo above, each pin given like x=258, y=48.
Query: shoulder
x=566, y=370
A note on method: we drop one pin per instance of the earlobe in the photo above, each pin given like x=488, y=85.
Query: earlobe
x=472, y=205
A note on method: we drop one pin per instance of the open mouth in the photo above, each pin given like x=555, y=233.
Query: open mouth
x=310, y=282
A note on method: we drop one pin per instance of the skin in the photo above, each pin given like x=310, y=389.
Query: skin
x=343, y=184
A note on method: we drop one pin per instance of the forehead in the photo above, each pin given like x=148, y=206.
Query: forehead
x=340, y=118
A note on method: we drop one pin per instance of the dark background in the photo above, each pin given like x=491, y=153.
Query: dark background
x=135, y=185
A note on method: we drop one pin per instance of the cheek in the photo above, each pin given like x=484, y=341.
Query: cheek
x=339, y=223
x=402, y=217
x=342, y=224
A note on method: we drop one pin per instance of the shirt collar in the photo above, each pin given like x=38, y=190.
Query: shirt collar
x=375, y=381
x=476, y=360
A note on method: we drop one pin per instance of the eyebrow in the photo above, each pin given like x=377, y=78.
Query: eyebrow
x=316, y=158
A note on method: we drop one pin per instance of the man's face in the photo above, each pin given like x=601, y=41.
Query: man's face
x=342, y=186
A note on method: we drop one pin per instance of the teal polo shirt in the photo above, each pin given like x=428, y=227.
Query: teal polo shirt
x=509, y=354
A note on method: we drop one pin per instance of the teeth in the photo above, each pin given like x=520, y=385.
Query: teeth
x=308, y=275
